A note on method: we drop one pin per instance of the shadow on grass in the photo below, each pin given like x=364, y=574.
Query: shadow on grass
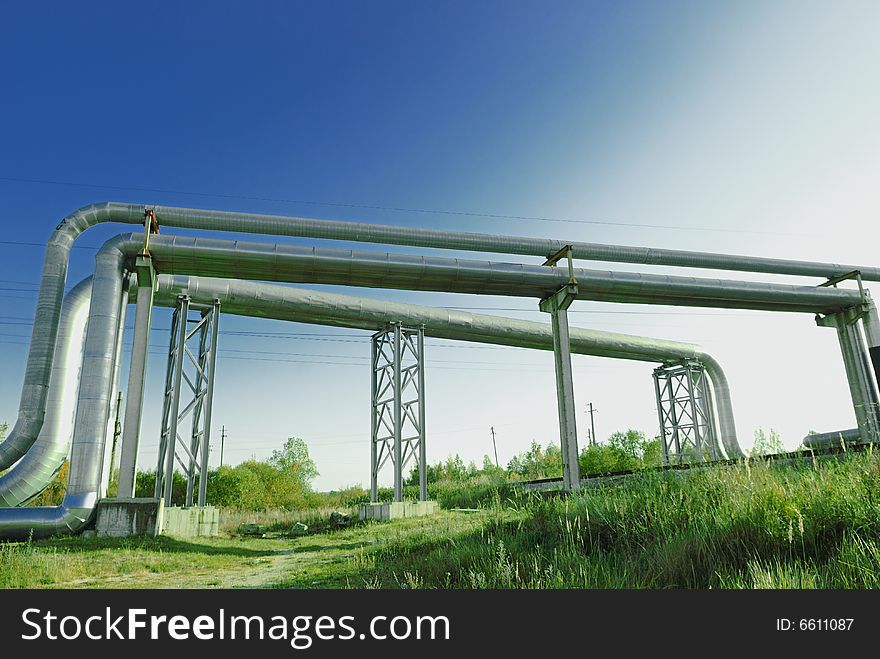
x=342, y=546
x=160, y=544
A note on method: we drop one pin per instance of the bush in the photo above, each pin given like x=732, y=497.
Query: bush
x=625, y=451
x=537, y=462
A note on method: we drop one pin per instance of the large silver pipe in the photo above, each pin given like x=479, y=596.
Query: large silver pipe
x=92, y=410
x=837, y=438
x=297, y=305
x=39, y=363
x=286, y=303
x=30, y=475
x=244, y=260
x=500, y=244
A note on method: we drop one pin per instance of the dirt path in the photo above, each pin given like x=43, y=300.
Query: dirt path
x=306, y=567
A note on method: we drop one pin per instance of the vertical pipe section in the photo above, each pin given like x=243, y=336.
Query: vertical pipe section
x=95, y=394
x=728, y=444
x=866, y=381
x=30, y=475
x=134, y=400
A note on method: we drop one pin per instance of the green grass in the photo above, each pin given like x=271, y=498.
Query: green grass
x=83, y=561
x=814, y=524
x=754, y=525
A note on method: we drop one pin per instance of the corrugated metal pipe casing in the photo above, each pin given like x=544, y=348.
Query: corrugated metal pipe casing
x=30, y=475
x=93, y=405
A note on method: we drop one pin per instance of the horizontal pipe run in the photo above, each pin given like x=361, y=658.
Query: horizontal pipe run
x=283, y=263
x=821, y=440
x=316, y=307
x=499, y=244
x=44, y=334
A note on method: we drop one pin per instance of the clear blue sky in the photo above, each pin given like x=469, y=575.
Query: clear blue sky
x=745, y=127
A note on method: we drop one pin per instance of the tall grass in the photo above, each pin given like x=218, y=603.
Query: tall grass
x=754, y=525
x=231, y=519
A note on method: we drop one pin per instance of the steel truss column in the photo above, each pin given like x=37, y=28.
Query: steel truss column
x=397, y=406
x=557, y=306
x=197, y=372
x=137, y=373
x=859, y=375
x=685, y=410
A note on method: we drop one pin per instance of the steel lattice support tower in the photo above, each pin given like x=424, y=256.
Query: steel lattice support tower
x=684, y=405
x=398, y=406
x=195, y=370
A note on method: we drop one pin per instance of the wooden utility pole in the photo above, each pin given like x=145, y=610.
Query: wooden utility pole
x=494, y=447
x=222, y=443
x=592, y=410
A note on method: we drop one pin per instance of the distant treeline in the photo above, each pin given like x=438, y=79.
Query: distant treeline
x=283, y=481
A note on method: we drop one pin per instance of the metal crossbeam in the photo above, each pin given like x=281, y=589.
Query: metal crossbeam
x=685, y=409
x=196, y=369
x=397, y=406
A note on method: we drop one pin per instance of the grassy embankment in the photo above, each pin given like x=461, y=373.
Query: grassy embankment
x=807, y=525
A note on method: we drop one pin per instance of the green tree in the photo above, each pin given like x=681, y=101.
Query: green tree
x=767, y=444
x=537, y=462
x=294, y=457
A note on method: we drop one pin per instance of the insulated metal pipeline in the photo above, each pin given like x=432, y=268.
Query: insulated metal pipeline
x=292, y=264
x=500, y=244
x=30, y=475
x=39, y=363
x=862, y=386
x=835, y=438
x=313, y=307
x=259, y=261
x=297, y=305
x=92, y=410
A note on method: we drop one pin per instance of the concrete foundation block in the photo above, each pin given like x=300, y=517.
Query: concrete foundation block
x=117, y=518
x=388, y=510
x=192, y=522
x=146, y=516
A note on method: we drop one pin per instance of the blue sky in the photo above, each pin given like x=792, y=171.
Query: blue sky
x=740, y=127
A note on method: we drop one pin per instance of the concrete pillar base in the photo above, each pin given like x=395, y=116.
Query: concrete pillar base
x=397, y=509
x=119, y=518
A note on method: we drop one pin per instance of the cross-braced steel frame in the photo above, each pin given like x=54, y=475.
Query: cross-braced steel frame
x=687, y=420
x=196, y=370
x=398, y=406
